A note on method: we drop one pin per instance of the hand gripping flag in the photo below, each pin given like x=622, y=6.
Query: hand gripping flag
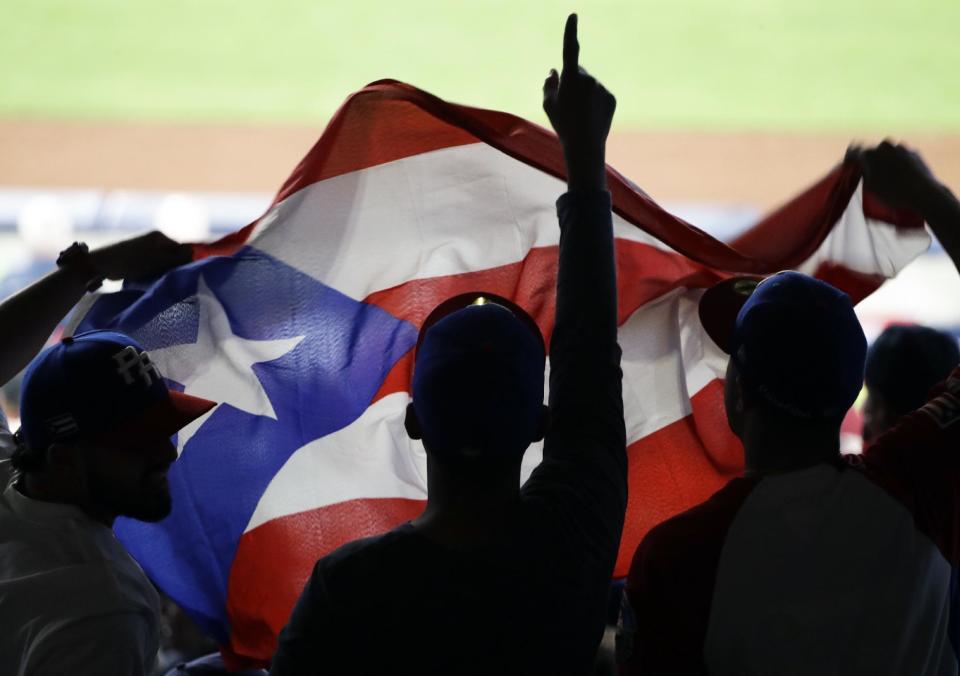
x=301, y=325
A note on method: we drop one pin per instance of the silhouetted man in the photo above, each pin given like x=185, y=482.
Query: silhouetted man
x=903, y=364
x=810, y=563
x=94, y=444
x=491, y=578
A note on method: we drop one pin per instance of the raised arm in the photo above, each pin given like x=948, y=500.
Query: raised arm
x=917, y=461
x=584, y=451
x=580, y=110
x=28, y=317
x=899, y=176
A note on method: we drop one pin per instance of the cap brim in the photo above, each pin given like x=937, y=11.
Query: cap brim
x=720, y=305
x=164, y=418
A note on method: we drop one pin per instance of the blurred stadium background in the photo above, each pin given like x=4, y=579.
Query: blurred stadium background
x=118, y=117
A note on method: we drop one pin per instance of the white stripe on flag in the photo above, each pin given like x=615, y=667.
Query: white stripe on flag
x=349, y=464
x=867, y=245
x=445, y=212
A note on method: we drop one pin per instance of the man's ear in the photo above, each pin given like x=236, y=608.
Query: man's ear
x=59, y=455
x=411, y=423
x=542, y=426
x=61, y=458
x=740, y=395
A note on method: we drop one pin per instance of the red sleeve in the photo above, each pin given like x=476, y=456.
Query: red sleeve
x=666, y=601
x=918, y=463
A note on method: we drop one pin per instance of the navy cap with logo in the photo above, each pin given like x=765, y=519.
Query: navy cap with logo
x=97, y=384
x=794, y=339
x=479, y=374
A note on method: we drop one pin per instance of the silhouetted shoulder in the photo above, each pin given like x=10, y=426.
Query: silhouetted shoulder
x=699, y=529
x=362, y=560
x=666, y=605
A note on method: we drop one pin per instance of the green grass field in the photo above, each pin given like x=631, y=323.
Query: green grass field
x=805, y=65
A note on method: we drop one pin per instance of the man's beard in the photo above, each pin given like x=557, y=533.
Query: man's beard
x=147, y=501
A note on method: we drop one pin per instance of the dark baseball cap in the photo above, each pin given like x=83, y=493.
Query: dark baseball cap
x=478, y=374
x=100, y=384
x=905, y=362
x=795, y=340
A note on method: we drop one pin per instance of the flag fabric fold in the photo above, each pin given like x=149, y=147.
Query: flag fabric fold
x=302, y=326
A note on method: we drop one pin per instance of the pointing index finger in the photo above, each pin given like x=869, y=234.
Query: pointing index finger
x=571, y=48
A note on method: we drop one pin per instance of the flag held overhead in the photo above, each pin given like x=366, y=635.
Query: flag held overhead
x=304, y=324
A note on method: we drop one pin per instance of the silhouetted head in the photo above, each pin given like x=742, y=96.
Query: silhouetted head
x=903, y=365
x=796, y=354
x=97, y=419
x=478, y=382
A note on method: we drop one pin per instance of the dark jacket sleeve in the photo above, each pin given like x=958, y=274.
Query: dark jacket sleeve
x=584, y=468
x=918, y=463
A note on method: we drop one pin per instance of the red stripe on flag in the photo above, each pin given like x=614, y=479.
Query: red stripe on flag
x=644, y=273
x=721, y=446
x=792, y=233
x=530, y=283
x=398, y=379
x=675, y=468
x=389, y=120
x=274, y=562
x=857, y=285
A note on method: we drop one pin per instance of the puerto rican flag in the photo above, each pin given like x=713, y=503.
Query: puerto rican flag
x=302, y=326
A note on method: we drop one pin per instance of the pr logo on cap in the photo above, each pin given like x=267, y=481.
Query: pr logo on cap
x=745, y=285
x=129, y=359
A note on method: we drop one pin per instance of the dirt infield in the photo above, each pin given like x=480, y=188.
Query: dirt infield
x=749, y=168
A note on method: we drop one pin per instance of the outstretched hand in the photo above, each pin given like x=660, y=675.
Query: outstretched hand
x=900, y=177
x=140, y=257
x=896, y=174
x=581, y=111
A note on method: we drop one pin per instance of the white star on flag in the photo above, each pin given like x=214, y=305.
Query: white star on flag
x=219, y=365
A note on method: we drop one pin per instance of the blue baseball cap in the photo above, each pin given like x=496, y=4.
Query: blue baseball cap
x=794, y=339
x=478, y=375
x=98, y=384
x=905, y=362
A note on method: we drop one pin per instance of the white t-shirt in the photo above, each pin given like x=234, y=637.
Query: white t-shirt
x=72, y=600
x=823, y=572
